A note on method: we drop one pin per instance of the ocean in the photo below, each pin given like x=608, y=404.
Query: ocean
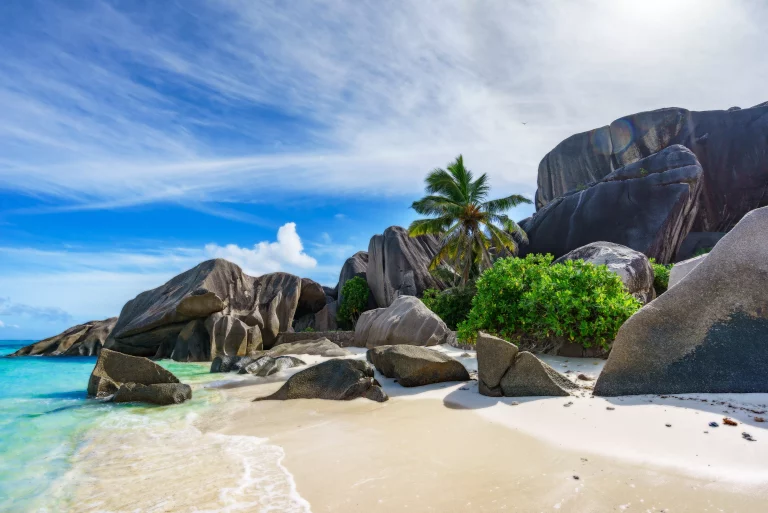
x=62, y=451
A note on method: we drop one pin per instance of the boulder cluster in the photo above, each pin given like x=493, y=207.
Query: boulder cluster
x=503, y=370
x=122, y=378
x=665, y=182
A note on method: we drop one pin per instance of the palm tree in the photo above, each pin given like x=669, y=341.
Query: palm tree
x=470, y=228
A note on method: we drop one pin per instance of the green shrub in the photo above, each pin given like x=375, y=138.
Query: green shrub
x=528, y=298
x=308, y=329
x=702, y=251
x=660, y=276
x=451, y=305
x=354, y=300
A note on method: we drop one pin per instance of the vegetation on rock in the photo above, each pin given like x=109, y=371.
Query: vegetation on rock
x=470, y=227
x=660, y=276
x=451, y=305
x=355, y=294
x=529, y=298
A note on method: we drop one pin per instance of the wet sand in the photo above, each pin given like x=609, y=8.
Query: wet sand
x=441, y=448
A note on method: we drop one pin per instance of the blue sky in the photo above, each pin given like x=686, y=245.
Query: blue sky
x=138, y=138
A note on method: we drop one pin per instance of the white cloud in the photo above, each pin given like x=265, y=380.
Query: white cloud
x=48, y=314
x=265, y=257
x=377, y=104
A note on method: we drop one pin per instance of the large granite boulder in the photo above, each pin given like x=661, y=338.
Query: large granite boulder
x=706, y=334
x=159, y=393
x=326, y=319
x=697, y=243
x=528, y=376
x=114, y=369
x=398, y=265
x=681, y=269
x=414, y=366
x=494, y=358
x=405, y=321
x=649, y=206
x=631, y=266
x=81, y=340
x=151, y=324
x=268, y=365
x=319, y=347
x=730, y=145
x=339, y=380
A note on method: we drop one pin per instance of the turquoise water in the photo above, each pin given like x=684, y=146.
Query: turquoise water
x=45, y=416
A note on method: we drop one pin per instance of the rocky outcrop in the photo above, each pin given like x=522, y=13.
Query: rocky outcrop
x=503, y=370
x=354, y=266
x=161, y=393
x=706, y=334
x=121, y=373
x=398, y=265
x=415, y=366
x=681, y=269
x=406, y=321
x=697, y=243
x=339, y=380
x=730, y=145
x=631, y=266
x=494, y=358
x=267, y=365
x=340, y=338
x=529, y=377
x=649, y=206
x=321, y=347
x=228, y=301
x=81, y=340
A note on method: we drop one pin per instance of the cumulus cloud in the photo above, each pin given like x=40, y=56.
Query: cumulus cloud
x=265, y=257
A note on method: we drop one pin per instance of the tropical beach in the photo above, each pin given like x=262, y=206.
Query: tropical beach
x=383, y=257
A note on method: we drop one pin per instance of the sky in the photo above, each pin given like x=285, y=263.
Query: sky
x=139, y=138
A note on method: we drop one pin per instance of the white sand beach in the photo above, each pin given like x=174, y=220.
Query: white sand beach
x=439, y=448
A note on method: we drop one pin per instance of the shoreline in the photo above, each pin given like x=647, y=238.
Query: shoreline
x=441, y=447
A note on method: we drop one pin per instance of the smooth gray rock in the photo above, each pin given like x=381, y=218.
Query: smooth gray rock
x=681, y=269
x=150, y=324
x=414, y=366
x=193, y=343
x=114, y=369
x=82, y=340
x=325, y=319
x=708, y=333
x=406, y=321
x=649, y=206
x=339, y=380
x=631, y=266
x=224, y=363
x=267, y=365
x=529, y=377
x=312, y=298
x=160, y=393
x=321, y=347
x=398, y=265
x=229, y=336
x=494, y=357
x=696, y=243
x=730, y=145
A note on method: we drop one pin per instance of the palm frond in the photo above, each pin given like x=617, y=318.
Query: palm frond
x=435, y=205
x=436, y=226
x=479, y=189
x=504, y=204
x=442, y=183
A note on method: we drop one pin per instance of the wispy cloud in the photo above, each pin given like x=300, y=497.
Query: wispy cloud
x=49, y=314
x=112, y=104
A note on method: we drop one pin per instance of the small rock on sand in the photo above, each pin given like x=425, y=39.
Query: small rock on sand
x=610, y=408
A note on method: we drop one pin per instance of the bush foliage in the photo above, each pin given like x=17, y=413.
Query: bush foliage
x=660, y=276
x=451, y=305
x=353, y=302
x=530, y=298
